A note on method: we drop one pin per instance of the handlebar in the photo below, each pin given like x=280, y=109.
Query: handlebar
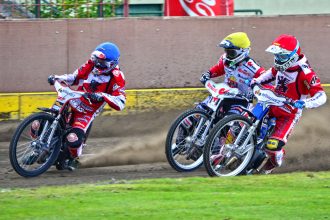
x=287, y=101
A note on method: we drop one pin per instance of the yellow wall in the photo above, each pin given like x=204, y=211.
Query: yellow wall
x=14, y=106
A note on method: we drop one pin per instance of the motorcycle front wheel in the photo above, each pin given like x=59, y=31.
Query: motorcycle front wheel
x=183, y=147
x=29, y=154
x=224, y=152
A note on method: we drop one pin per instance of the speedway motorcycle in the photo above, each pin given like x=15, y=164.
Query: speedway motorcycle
x=236, y=144
x=187, y=135
x=38, y=142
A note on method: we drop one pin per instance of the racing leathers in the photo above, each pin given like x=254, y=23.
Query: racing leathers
x=299, y=82
x=236, y=77
x=104, y=88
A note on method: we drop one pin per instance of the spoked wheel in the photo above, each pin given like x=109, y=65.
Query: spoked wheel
x=224, y=152
x=184, y=145
x=29, y=154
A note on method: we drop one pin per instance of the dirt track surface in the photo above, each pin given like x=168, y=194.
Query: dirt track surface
x=132, y=147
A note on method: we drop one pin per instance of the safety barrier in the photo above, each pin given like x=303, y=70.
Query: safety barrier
x=16, y=106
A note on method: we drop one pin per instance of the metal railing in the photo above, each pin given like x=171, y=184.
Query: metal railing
x=255, y=11
x=58, y=8
x=81, y=9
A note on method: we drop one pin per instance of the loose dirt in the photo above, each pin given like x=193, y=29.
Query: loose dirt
x=132, y=147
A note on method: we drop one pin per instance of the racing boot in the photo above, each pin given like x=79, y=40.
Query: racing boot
x=71, y=164
x=275, y=159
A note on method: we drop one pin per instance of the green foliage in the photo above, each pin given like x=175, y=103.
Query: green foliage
x=75, y=8
x=285, y=196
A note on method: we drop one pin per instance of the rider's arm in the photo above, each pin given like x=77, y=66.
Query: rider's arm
x=266, y=76
x=116, y=96
x=259, y=72
x=218, y=69
x=80, y=73
x=311, y=85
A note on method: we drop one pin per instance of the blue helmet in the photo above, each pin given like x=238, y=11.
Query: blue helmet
x=105, y=57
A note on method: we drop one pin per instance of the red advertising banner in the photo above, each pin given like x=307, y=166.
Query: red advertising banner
x=198, y=7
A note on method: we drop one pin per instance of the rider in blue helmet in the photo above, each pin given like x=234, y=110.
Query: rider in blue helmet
x=103, y=81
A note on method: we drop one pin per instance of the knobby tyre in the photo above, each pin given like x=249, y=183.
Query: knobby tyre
x=21, y=147
x=177, y=153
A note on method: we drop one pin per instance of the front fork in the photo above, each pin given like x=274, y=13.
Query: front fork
x=48, y=133
x=202, y=130
x=244, y=136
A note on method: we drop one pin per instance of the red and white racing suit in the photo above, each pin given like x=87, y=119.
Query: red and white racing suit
x=236, y=77
x=298, y=83
x=112, y=87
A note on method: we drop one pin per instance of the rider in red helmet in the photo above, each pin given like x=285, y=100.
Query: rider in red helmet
x=294, y=79
x=101, y=77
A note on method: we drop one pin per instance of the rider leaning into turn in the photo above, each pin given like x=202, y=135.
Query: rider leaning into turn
x=100, y=74
x=294, y=79
x=237, y=67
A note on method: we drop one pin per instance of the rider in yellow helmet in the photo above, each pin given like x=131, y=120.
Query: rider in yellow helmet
x=236, y=66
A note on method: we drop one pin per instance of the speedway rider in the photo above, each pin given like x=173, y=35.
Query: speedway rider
x=103, y=80
x=237, y=67
x=294, y=79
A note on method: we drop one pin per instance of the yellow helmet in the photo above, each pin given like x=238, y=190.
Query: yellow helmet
x=236, y=40
x=237, y=48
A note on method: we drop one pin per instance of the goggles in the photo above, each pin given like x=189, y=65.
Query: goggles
x=283, y=57
x=104, y=64
x=232, y=53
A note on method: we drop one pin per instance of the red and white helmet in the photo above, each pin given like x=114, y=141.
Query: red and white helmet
x=286, y=50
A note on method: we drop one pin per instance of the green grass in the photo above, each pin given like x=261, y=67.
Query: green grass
x=285, y=196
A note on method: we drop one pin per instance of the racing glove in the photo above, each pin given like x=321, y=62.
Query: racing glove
x=205, y=76
x=253, y=82
x=299, y=104
x=51, y=79
x=249, y=96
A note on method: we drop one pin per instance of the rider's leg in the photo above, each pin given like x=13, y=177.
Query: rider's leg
x=275, y=152
x=74, y=141
x=76, y=138
x=274, y=148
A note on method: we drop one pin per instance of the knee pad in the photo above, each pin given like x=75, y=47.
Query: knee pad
x=274, y=144
x=75, y=138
